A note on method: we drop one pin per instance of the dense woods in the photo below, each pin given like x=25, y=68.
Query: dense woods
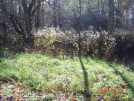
x=110, y=22
x=99, y=29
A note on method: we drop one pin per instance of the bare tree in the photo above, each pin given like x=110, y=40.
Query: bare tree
x=133, y=17
x=111, y=26
x=29, y=8
x=54, y=13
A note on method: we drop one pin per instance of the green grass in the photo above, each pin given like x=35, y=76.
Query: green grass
x=44, y=73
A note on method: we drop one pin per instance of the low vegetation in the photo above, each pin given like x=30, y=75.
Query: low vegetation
x=41, y=77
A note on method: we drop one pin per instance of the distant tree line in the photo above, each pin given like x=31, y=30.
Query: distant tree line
x=22, y=16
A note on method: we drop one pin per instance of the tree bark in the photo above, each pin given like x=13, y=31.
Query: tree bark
x=110, y=17
x=119, y=15
x=133, y=18
x=54, y=14
x=59, y=13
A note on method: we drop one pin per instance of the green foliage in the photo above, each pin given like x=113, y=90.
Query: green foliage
x=50, y=75
x=97, y=46
x=130, y=36
x=4, y=54
x=43, y=43
x=14, y=39
x=44, y=38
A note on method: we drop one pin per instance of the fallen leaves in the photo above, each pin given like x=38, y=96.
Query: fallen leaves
x=1, y=94
x=18, y=93
x=50, y=91
x=104, y=91
x=19, y=99
x=11, y=92
x=74, y=99
x=64, y=96
x=121, y=91
x=114, y=91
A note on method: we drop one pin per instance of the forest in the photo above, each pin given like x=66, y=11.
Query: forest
x=66, y=50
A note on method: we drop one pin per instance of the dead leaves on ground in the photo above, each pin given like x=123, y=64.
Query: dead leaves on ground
x=17, y=93
x=11, y=92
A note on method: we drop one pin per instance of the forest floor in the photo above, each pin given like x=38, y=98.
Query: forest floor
x=38, y=77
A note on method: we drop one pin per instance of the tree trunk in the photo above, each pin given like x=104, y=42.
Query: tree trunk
x=54, y=14
x=127, y=20
x=37, y=18
x=119, y=15
x=98, y=7
x=110, y=17
x=133, y=18
x=4, y=32
x=59, y=13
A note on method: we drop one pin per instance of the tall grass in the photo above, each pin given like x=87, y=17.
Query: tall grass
x=42, y=73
